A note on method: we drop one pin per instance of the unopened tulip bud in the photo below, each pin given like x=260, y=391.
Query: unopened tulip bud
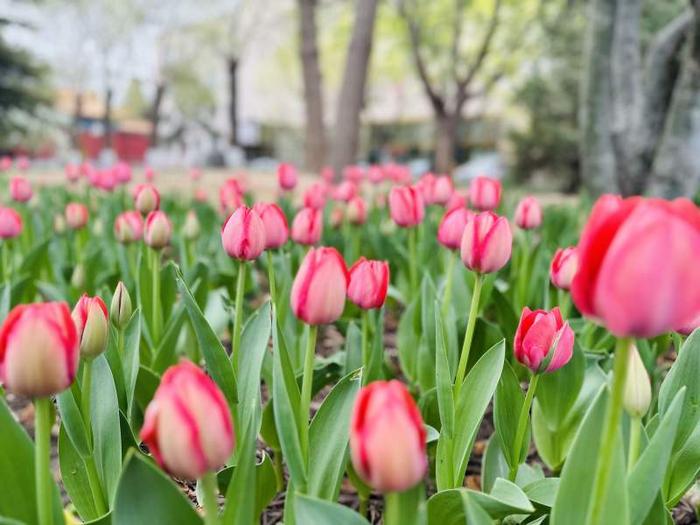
x=158, y=230
x=10, y=223
x=452, y=227
x=76, y=215
x=146, y=198
x=243, y=235
x=128, y=227
x=337, y=216
x=387, y=437
x=38, y=349
x=286, y=176
x=77, y=279
x=486, y=242
x=120, y=309
x=443, y=189
x=307, y=226
x=315, y=195
x=20, y=189
x=345, y=191
x=320, y=287
x=230, y=196
x=485, y=193
x=357, y=211
x=59, y=223
x=369, y=282
x=98, y=227
x=637, y=386
x=406, y=206
x=563, y=267
x=543, y=341
x=190, y=229
x=528, y=214
x=275, y=222
x=90, y=318
x=188, y=426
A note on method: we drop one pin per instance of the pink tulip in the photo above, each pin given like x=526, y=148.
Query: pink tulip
x=307, y=226
x=149, y=174
x=105, y=180
x=486, y=243
x=337, y=217
x=375, y=174
x=426, y=186
x=5, y=163
x=188, y=426
x=23, y=163
x=286, y=176
x=230, y=196
x=357, y=211
x=690, y=327
x=456, y=200
x=543, y=341
x=195, y=174
x=20, y=189
x=90, y=317
x=200, y=195
x=638, y=272
x=443, y=189
x=146, y=198
x=10, y=223
x=354, y=174
x=315, y=195
x=369, y=282
x=38, y=349
x=72, y=173
x=122, y=172
x=158, y=230
x=452, y=227
x=243, y=235
x=345, y=191
x=528, y=214
x=128, y=226
x=406, y=206
x=485, y=193
x=275, y=222
x=563, y=267
x=327, y=175
x=387, y=437
x=320, y=287
x=76, y=215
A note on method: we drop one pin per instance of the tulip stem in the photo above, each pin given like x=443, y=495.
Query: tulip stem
x=392, y=508
x=307, y=381
x=5, y=260
x=155, y=288
x=85, y=392
x=469, y=334
x=238, y=319
x=365, y=346
x=209, y=490
x=412, y=263
x=362, y=507
x=635, y=434
x=42, y=459
x=610, y=429
x=271, y=276
x=522, y=426
x=447, y=294
x=523, y=273
x=564, y=302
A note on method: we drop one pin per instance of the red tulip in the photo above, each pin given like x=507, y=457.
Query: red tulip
x=90, y=318
x=452, y=227
x=307, y=226
x=243, y=235
x=369, y=282
x=188, y=426
x=637, y=270
x=528, y=214
x=357, y=211
x=543, y=341
x=128, y=226
x=76, y=215
x=387, y=437
x=158, y=230
x=10, y=223
x=38, y=349
x=406, y=206
x=320, y=287
x=563, y=267
x=275, y=222
x=20, y=189
x=286, y=176
x=485, y=193
x=486, y=243
x=146, y=198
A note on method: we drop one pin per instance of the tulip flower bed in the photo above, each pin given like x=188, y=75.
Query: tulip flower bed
x=387, y=352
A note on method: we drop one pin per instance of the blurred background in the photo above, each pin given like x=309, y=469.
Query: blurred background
x=556, y=95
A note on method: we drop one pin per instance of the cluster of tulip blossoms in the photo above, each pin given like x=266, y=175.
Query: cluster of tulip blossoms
x=634, y=271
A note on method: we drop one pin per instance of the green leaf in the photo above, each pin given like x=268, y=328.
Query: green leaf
x=647, y=476
x=505, y=498
x=166, y=355
x=507, y=404
x=72, y=421
x=476, y=393
x=328, y=438
x=314, y=511
x=218, y=365
x=131, y=359
x=443, y=378
x=474, y=514
x=106, y=431
x=146, y=384
x=353, y=349
x=146, y=496
x=408, y=333
x=494, y=464
x=543, y=491
x=557, y=391
x=265, y=483
x=74, y=477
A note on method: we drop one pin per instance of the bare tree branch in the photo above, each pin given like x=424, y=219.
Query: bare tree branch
x=463, y=84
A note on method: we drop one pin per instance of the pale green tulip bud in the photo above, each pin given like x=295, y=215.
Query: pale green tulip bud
x=120, y=309
x=637, y=387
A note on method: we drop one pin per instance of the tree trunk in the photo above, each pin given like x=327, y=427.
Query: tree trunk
x=155, y=112
x=232, y=63
x=445, y=140
x=107, y=121
x=77, y=115
x=598, y=163
x=677, y=164
x=315, y=144
x=350, y=101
